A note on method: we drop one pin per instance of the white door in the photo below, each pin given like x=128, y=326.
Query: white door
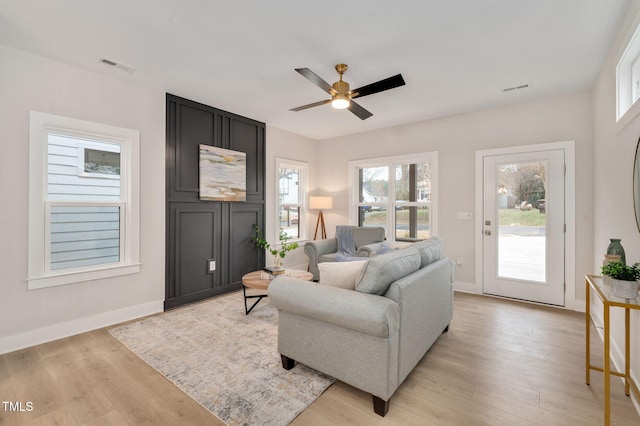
x=523, y=226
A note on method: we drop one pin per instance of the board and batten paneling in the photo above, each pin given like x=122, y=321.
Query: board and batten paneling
x=199, y=231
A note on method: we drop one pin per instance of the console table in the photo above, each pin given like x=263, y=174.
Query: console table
x=604, y=293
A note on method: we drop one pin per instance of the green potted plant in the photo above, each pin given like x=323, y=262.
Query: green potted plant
x=278, y=253
x=622, y=278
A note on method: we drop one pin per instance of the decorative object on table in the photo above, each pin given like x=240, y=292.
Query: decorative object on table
x=278, y=254
x=225, y=360
x=320, y=203
x=608, y=258
x=615, y=248
x=223, y=174
x=622, y=278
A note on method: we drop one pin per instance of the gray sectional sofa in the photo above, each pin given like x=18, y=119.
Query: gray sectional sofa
x=373, y=334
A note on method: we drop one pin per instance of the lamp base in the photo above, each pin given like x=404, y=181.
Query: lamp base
x=320, y=224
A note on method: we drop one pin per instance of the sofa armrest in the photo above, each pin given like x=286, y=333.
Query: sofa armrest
x=365, y=313
x=315, y=249
x=368, y=250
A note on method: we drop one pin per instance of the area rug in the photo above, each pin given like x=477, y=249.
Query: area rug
x=226, y=360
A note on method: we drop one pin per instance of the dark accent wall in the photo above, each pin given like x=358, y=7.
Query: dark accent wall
x=201, y=230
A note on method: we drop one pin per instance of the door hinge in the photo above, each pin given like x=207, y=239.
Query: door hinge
x=565, y=228
x=565, y=169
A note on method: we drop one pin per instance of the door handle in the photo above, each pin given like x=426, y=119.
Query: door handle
x=487, y=232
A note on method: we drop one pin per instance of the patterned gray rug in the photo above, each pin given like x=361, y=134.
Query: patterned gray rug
x=225, y=360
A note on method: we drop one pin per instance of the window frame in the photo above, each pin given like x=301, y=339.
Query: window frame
x=303, y=169
x=625, y=103
x=391, y=162
x=39, y=273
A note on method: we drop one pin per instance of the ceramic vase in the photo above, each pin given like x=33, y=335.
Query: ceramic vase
x=615, y=248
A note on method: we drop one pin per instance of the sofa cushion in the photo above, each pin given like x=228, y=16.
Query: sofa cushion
x=340, y=274
x=391, y=246
x=378, y=274
x=430, y=250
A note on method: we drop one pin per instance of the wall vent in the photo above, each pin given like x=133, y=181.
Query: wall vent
x=509, y=89
x=116, y=65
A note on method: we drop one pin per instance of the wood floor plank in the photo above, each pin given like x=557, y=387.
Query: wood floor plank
x=501, y=363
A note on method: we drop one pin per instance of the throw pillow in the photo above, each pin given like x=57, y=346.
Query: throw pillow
x=340, y=274
x=387, y=247
x=381, y=271
x=430, y=250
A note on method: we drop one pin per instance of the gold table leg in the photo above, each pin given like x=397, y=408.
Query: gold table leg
x=607, y=367
x=588, y=334
x=627, y=342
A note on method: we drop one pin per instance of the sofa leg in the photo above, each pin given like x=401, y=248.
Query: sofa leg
x=380, y=406
x=446, y=329
x=287, y=363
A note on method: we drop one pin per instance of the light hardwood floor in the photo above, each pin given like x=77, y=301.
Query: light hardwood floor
x=502, y=363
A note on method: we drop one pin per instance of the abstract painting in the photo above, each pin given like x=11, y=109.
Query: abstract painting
x=223, y=174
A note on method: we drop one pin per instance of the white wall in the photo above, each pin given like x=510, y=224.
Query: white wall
x=284, y=144
x=614, y=152
x=29, y=82
x=456, y=138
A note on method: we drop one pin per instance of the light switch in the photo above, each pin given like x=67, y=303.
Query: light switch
x=211, y=265
x=464, y=215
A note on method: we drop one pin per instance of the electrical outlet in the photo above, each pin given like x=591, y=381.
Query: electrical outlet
x=459, y=261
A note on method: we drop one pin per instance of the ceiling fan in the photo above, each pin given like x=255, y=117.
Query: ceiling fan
x=341, y=96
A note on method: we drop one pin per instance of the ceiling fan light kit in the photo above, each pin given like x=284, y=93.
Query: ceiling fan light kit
x=341, y=96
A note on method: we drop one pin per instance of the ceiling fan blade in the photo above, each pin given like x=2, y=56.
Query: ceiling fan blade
x=379, y=86
x=355, y=108
x=315, y=104
x=315, y=79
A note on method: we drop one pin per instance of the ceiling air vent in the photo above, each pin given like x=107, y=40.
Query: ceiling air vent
x=116, y=65
x=509, y=89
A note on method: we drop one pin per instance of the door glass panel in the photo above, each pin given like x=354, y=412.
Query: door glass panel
x=522, y=221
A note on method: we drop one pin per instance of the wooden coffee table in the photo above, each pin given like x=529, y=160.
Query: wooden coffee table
x=255, y=280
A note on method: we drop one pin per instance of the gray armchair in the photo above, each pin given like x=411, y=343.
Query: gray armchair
x=364, y=241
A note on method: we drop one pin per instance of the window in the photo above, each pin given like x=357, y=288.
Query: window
x=83, y=201
x=398, y=193
x=628, y=76
x=292, y=176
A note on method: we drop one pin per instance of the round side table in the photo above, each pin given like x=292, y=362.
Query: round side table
x=259, y=280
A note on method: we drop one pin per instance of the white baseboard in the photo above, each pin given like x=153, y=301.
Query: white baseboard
x=77, y=326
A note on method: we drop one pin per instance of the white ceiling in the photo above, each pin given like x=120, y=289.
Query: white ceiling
x=455, y=55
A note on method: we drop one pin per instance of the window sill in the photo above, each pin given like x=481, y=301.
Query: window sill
x=67, y=277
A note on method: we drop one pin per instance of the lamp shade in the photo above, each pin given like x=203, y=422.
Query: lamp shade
x=321, y=203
